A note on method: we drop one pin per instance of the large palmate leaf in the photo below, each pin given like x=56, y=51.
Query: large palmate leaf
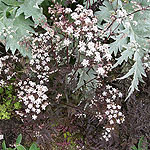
x=105, y=13
x=21, y=28
x=30, y=8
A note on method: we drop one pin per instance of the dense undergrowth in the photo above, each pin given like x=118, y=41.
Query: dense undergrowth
x=74, y=74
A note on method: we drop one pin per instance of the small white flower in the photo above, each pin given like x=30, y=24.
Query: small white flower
x=115, y=115
x=118, y=121
x=30, y=105
x=38, y=111
x=67, y=42
x=110, y=117
x=89, y=53
x=82, y=49
x=118, y=106
x=89, y=35
x=69, y=30
x=76, y=34
x=104, y=93
x=44, y=97
x=8, y=77
x=46, y=68
x=74, y=16
x=107, y=112
x=127, y=24
x=77, y=22
x=27, y=110
x=100, y=71
x=32, y=98
x=48, y=59
x=108, y=100
x=39, y=76
x=111, y=122
x=85, y=62
x=79, y=8
x=1, y=137
x=33, y=109
x=31, y=61
x=108, y=106
x=120, y=94
x=85, y=28
x=135, y=23
x=120, y=114
x=87, y=20
x=43, y=106
x=95, y=29
x=109, y=135
x=34, y=117
x=26, y=102
x=11, y=36
x=73, y=1
x=68, y=10
x=114, y=97
x=108, y=87
x=38, y=67
x=90, y=45
x=114, y=107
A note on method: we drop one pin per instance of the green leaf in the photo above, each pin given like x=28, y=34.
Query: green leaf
x=134, y=148
x=1, y=90
x=34, y=147
x=31, y=9
x=65, y=135
x=18, y=140
x=105, y=12
x=119, y=42
x=17, y=105
x=20, y=147
x=140, y=142
x=125, y=55
x=137, y=71
x=11, y=2
x=23, y=25
x=21, y=28
x=68, y=133
x=3, y=8
x=4, y=145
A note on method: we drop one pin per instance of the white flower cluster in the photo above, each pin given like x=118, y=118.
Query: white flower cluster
x=109, y=108
x=33, y=96
x=6, y=67
x=107, y=133
x=113, y=110
x=84, y=28
x=31, y=93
